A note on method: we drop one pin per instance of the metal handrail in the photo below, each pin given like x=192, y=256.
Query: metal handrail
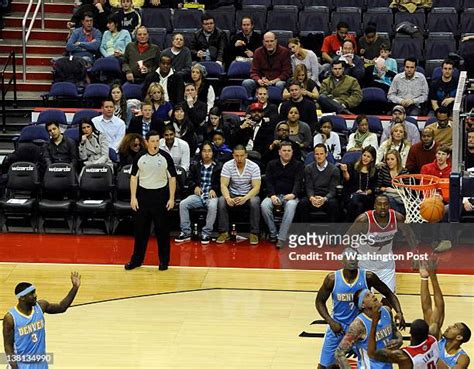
x=11, y=57
x=26, y=34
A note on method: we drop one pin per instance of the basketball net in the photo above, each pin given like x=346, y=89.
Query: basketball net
x=413, y=189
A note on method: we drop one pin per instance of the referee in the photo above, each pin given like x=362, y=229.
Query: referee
x=152, y=188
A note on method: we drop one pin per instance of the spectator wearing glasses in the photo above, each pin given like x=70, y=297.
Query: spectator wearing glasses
x=282, y=134
x=130, y=146
x=209, y=42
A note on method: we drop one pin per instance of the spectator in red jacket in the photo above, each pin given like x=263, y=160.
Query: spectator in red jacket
x=332, y=44
x=271, y=65
x=441, y=166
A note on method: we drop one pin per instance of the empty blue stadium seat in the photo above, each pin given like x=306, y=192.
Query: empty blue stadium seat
x=52, y=115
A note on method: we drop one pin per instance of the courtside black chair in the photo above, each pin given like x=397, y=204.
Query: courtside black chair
x=20, y=201
x=181, y=189
x=121, y=205
x=58, y=195
x=95, y=195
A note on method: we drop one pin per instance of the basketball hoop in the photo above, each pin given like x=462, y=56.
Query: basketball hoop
x=413, y=188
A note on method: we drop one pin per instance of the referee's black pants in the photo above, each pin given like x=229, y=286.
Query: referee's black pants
x=152, y=207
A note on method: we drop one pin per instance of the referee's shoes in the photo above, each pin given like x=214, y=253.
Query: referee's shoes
x=130, y=266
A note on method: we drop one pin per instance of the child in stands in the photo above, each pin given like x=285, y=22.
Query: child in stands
x=129, y=18
x=385, y=68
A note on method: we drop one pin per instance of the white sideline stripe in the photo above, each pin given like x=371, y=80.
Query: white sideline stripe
x=198, y=267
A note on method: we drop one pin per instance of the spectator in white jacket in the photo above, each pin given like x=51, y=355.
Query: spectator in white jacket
x=94, y=146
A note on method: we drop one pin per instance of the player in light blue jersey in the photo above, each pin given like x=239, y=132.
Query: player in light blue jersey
x=341, y=285
x=357, y=335
x=24, y=327
x=451, y=355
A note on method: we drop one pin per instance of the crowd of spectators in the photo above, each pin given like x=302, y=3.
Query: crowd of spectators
x=179, y=102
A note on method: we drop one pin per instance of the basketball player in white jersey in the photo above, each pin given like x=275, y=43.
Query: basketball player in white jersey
x=380, y=225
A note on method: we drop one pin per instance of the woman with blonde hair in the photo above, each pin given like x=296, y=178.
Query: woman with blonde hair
x=304, y=56
x=161, y=108
x=309, y=88
x=392, y=168
x=396, y=141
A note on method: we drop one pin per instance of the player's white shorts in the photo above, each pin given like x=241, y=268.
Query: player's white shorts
x=387, y=276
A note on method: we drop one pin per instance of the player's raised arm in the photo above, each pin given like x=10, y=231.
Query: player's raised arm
x=321, y=299
x=8, y=339
x=383, y=355
x=355, y=332
x=433, y=316
x=375, y=282
x=359, y=226
x=67, y=301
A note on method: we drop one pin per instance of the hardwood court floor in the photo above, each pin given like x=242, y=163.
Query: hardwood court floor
x=197, y=317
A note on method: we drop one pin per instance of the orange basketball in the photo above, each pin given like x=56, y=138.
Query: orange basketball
x=432, y=209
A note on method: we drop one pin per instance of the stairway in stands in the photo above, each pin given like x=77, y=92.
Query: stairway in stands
x=42, y=45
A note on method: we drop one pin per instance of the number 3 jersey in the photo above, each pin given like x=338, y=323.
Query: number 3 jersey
x=30, y=336
x=344, y=311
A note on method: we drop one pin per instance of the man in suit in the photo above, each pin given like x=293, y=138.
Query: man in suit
x=144, y=123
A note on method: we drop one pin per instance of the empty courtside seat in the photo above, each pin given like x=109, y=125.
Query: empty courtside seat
x=58, y=195
x=20, y=200
x=52, y=115
x=95, y=195
x=313, y=19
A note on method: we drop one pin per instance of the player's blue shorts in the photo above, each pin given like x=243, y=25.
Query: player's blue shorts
x=331, y=341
